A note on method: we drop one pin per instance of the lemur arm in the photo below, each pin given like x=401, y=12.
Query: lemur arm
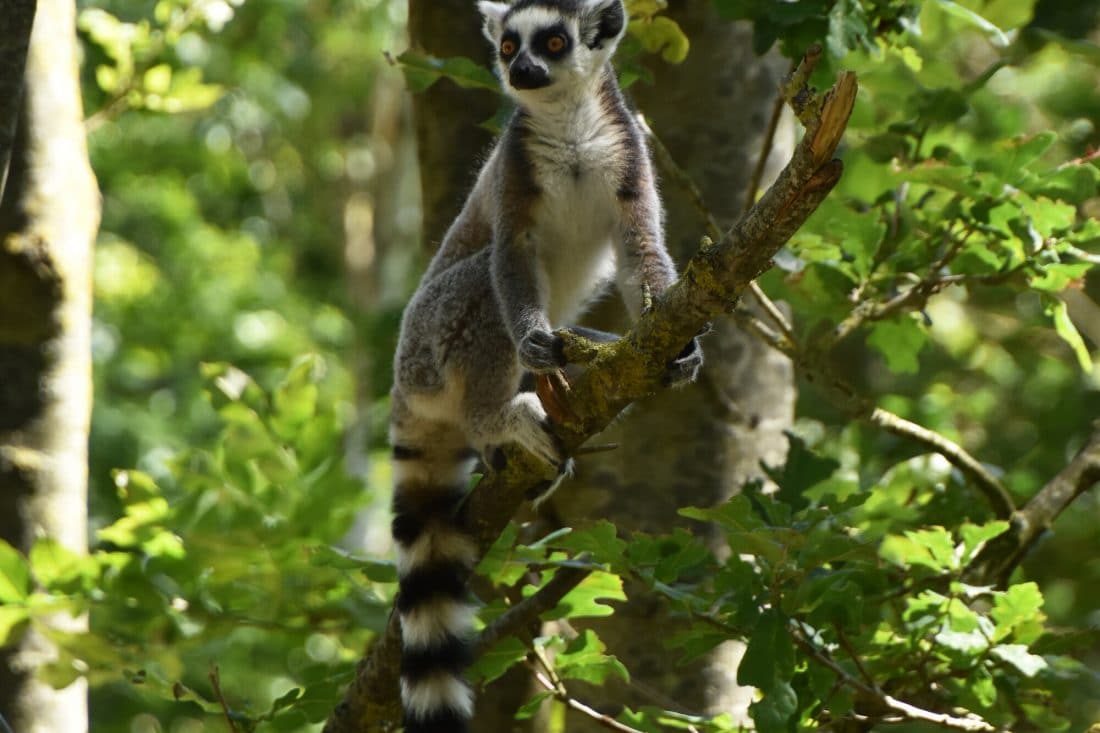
x=646, y=270
x=518, y=285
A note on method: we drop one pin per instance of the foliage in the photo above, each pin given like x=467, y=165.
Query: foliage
x=939, y=281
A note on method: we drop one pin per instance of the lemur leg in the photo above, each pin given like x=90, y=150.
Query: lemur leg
x=496, y=414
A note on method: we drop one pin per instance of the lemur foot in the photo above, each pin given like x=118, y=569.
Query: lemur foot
x=542, y=351
x=529, y=426
x=684, y=369
x=543, y=490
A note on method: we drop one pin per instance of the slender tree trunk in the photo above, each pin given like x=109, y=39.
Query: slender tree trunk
x=448, y=138
x=48, y=218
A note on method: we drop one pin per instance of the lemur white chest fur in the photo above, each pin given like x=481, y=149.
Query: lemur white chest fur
x=575, y=151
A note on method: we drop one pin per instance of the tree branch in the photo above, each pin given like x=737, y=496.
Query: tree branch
x=561, y=694
x=518, y=619
x=987, y=483
x=633, y=367
x=997, y=560
x=844, y=396
x=908, y=711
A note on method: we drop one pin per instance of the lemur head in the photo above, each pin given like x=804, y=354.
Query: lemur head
x=546, y=45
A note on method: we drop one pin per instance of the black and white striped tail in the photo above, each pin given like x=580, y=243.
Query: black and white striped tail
x=434, y=561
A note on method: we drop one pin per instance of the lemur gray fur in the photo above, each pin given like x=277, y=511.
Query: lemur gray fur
x=565, y=202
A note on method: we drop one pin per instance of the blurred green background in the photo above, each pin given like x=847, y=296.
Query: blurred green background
x=260, y=235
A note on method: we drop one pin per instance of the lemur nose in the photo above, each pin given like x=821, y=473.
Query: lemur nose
x=526, y=73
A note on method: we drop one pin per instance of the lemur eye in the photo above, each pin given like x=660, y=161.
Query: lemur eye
x=555, y=43
x=507, y=47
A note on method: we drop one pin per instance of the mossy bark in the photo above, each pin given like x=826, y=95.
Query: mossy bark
x=48, y=218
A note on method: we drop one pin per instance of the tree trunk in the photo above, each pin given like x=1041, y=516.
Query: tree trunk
x=48, y=218
x=694, y=446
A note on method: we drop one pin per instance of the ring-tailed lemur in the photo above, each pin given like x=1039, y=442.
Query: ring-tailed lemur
x=565, y=202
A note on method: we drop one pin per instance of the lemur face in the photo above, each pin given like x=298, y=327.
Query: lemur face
x=546, y=44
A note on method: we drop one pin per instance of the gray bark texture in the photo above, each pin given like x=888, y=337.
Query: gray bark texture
x=48, y=218
x=690, y=447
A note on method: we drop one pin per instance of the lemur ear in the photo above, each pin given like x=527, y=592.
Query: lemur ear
x=602, y=23
x=494, y=16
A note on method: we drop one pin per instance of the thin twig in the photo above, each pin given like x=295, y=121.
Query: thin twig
x=987, y=483
x=853, y=655
x=970, y=723
x=911, y=299
x=842, y=395
x=765, y=151
x=215, y=682
x=516, y=620
x=1002, y=554
x=912, y=712
x=562, y=695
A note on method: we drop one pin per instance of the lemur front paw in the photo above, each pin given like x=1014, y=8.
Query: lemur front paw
x=685, y=368
x=541, y=351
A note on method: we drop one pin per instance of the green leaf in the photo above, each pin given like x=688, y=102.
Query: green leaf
x=1019, y=657
x=52, y=564
x=15, y=578
x=697, y=641
x=531, y=707
x=996, y=36
x=423, y=70
x=285, y=700
x=499, y=659
x=157, y=79
x=602, y=540
x=1018, y=606
x=662, y=35
x=773, y=713
x=1054, y=278
x=505, y=562
x=1046, y=215
x=1073, y=183
x=11, y=620
x=803, y=470
x=328, y=556
x=584, y=600
x=931, y=548
x=847, y=27
x=769, y=658
x=585, y=659
x=900, y=341
x=1013, y=156
x=1065, y=328
x=294, y=401
x=975, y=536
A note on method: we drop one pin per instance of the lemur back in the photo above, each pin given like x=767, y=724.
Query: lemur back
x=565, y=203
